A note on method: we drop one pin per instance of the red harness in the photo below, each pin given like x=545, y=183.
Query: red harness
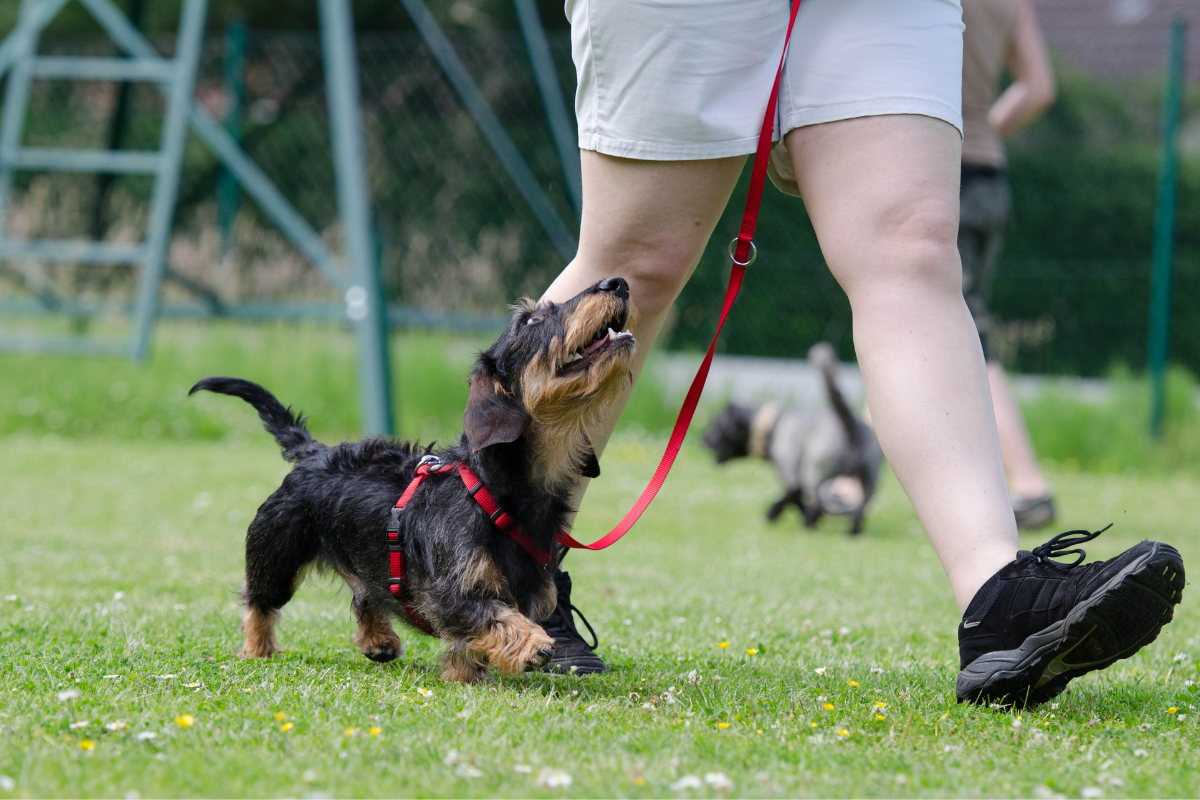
x=432, y=465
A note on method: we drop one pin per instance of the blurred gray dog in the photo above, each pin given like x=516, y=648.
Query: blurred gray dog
x=809, y=448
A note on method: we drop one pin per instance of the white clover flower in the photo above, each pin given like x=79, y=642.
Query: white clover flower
x=553, y=779
x=687, y=782
x=524, y=769
x=1140, y=753
x=11, y=598
x=1091, y=792
x=116, y=725
x=719, y=781
x=843, y=631
x=877, y=670
x=820, y=671
x=1180, y=657
x=7, y=784
x=452, y=758
x=83, y=723
x=67, y=694
x=118, y=596
x=146, y=736
x=465, y=770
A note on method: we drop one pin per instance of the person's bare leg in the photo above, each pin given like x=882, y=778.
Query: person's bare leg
x=648, y=222
x=1020, y=462
x=882, y=193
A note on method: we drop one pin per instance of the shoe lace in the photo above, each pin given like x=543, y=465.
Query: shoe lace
x=569, y=611
x=1064, y=544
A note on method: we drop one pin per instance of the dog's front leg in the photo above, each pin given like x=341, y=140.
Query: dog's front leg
x=504, y=638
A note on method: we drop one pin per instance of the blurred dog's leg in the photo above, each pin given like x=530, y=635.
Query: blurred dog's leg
x=375, y=637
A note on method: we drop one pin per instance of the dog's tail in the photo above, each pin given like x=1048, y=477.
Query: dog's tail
x=288, y=429
x=824, y=358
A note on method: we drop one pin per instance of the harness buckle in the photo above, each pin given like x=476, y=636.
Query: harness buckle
x=394, y=522
x=431, y=464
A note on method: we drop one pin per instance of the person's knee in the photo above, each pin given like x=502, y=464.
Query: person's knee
x=913, y=246
x=657, y=271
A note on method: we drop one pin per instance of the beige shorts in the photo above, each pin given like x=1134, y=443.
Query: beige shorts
x=674, y=80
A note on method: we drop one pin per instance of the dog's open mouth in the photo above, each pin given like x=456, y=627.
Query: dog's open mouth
x=608, y=336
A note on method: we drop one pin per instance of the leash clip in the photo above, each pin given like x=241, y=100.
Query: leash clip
x=733, y=249
x=431, y=464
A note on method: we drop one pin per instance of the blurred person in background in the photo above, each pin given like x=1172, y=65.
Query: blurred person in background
x=999, y=34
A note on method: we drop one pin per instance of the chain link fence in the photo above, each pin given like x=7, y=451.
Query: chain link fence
x=455, y=235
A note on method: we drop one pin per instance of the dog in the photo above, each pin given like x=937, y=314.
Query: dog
x=809, y=448
x=536, y=396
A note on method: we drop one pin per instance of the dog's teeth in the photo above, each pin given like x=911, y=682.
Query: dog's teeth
x=611, y=334
x=573, y=358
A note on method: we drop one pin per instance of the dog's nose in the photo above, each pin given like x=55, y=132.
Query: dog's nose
x=617, y=286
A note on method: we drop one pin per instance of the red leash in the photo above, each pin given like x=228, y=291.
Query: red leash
x=742, y=253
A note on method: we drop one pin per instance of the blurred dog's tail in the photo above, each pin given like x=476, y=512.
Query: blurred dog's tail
x=288, y=429
x=823, y=356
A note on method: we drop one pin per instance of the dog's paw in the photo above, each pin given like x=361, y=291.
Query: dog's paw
x=540, y=658
x=384, y=652
x=248, y=651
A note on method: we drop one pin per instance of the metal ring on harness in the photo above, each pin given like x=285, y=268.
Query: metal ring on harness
x=733, y=248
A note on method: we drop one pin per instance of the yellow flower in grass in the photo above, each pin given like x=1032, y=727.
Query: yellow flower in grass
x=375, y=731
x=752, y=651
x=722, y=645
x=350, y=732
x=287, y=726
x=722, y=725
x=87, y=744
x=1172, y=710
x=185, y=720
x=828, y=706
x=852, y=683
x=640, y=781
x=843, y=733
x=880, y=704
x=424, y=692
x=880, y=717
x=813, y=724
x=280, y=716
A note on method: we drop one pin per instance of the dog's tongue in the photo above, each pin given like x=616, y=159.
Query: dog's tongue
x=596, y=345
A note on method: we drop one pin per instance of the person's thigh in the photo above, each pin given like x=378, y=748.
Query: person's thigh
x=874, y=184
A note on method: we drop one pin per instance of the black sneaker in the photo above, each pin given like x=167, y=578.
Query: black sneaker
x=1036, y=623
x=572, y=655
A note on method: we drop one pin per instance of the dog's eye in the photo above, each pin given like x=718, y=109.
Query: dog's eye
x=532, y=321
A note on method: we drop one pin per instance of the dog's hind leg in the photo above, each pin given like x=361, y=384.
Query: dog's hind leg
x=278, y=548
x=790, y=497
x=375, y=637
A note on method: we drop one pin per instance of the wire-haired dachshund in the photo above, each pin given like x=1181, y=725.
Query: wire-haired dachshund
x=536, y=395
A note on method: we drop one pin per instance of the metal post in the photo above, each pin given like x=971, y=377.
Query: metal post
x=489, y=125
x=552, y=98
x=16, y=101
x=1164, y=229
x=166, y=184
x=235, y=90
x=364, y=301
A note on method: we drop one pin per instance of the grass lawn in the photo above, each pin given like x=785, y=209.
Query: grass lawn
x=121, y=559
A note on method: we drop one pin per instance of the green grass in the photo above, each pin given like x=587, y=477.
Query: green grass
x=124, y=557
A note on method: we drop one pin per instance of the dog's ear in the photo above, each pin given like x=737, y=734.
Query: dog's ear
x=492, y=417
x=591, y=465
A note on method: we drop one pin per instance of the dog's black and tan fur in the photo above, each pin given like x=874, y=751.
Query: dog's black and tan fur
x=536, y=393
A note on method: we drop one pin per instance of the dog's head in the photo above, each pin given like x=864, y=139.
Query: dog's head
x=729, y=434
x=550, y=377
